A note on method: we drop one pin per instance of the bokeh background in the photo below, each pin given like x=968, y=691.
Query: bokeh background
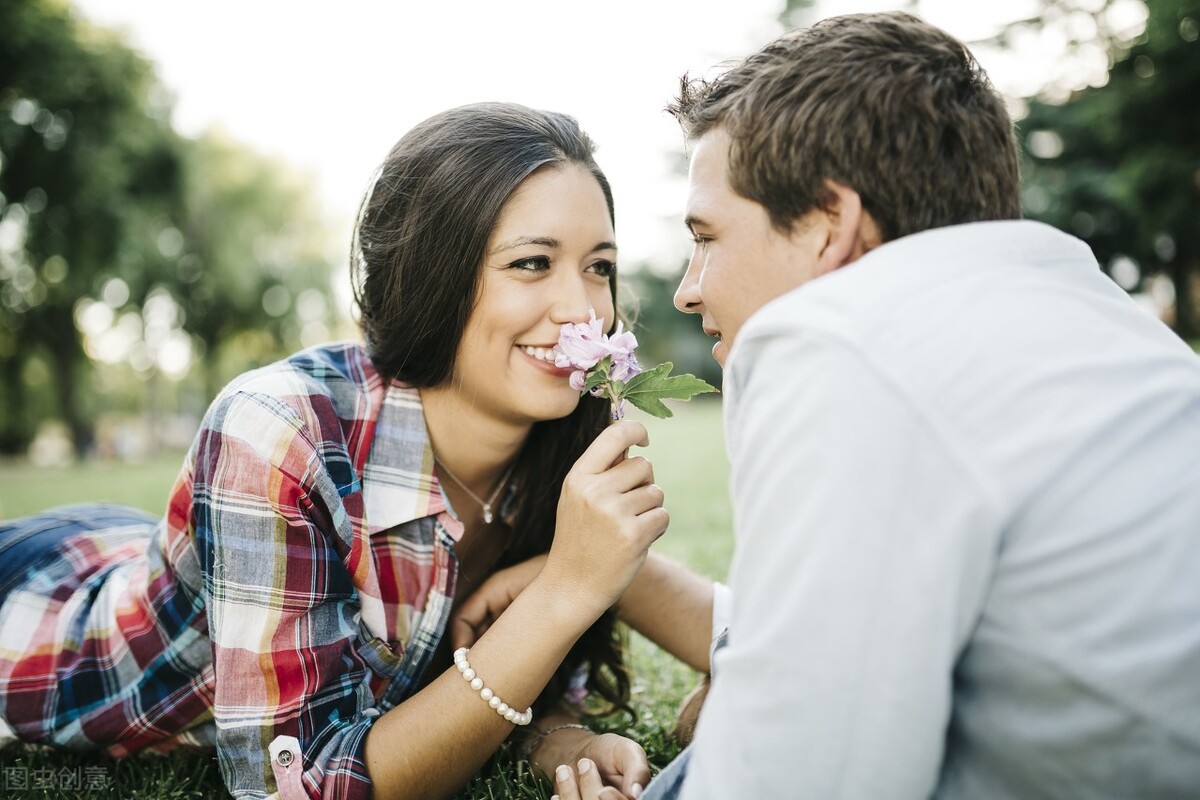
x=178, y=181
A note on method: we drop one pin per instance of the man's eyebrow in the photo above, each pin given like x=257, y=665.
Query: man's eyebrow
x=544, y=241
x=691, y=221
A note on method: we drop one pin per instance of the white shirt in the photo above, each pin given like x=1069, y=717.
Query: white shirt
x=966, y=482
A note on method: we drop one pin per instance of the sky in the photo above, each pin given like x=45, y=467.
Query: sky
x=330, y=87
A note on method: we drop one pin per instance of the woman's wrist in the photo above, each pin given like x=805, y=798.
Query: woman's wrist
x=567, y=602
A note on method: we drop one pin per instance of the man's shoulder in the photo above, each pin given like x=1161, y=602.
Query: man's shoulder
x=929, y=283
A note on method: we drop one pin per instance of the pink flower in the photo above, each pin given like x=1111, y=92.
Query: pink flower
x=624, y=368
x=621, y=346
x=622, y=342
x=584, y=345
x=581, y=344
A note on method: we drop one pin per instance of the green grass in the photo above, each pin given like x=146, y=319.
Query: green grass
x=689, y=461
x=25, y=489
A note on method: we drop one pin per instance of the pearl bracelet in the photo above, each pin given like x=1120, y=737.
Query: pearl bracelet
x=502, y=708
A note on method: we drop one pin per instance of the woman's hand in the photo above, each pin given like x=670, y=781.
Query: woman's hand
x=477, y=613
x=609, y=513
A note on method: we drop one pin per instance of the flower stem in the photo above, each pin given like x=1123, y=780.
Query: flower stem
x=614, y=397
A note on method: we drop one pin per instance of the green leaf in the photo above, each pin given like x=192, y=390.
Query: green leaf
x=596, y=376
x=648, y=389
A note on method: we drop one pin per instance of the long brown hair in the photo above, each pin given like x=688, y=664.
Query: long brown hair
x=416, y=260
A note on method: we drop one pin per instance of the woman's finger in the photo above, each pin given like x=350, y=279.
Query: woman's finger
x=643, y=498
x=610, y=445
x=633, y=471
x=469, y=621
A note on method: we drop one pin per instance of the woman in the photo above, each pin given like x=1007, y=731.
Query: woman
x=290, y=609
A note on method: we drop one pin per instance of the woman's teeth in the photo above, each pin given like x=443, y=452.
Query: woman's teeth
x=540, y=353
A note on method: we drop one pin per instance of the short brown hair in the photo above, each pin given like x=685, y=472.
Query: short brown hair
x=886, y=104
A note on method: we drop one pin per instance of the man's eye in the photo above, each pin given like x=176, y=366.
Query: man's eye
x=605, y=269
x=700, y=241
x=532, y=264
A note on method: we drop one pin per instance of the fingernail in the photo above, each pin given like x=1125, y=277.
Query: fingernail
x=563, y=773
x=584, y=765
x=636, y=789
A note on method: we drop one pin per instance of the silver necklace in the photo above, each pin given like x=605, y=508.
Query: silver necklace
x=486, y=505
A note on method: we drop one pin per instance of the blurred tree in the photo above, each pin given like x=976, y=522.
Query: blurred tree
x=86, y=158
x=123, y=243
x=253, y=277
x=1119, y=164
x=796, y=13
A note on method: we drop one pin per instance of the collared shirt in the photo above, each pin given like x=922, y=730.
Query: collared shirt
x=296, y=589
x=966, y=492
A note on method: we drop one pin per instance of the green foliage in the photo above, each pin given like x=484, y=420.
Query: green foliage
x=1119, y=164
x=648, y=389
x=104, y=207
x=252, y=269
x=86, y=158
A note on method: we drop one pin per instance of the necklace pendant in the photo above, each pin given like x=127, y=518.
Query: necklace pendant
x=487, y=513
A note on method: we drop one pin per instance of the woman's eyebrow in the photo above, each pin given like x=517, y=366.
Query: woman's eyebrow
x=544, y=241
x=521, y=241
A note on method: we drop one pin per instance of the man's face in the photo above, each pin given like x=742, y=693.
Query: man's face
x=740, y=261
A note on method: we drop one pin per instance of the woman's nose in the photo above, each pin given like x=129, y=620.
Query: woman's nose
x=573, y=301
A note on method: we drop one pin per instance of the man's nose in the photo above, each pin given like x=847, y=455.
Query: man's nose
x=687, y=296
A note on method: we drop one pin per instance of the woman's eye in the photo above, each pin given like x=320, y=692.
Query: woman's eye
x=532, y=264
x=698, y=240
x=605, y=269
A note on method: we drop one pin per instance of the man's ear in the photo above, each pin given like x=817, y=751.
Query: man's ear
x=852, y=231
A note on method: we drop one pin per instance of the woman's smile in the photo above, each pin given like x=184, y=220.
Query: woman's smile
x=542, y=358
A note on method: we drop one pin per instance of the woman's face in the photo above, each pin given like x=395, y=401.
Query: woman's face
x=549, y=259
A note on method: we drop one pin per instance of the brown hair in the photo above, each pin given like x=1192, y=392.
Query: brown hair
x=886, y=104
x=416, y=260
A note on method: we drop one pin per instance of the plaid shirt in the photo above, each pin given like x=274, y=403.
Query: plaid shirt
x=296, y=589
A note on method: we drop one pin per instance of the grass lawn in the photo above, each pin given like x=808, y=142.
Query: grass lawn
x=689, y=458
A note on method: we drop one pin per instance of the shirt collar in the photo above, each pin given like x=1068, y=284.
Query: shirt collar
x=399, y=484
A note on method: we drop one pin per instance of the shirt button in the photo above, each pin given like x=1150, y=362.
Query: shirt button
x=284, y=758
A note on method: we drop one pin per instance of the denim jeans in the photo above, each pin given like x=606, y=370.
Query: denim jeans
x=669, y=783
x=28, y=543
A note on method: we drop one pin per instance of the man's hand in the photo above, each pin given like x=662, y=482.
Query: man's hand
x=615, y=762
x=583, y=782
x=619, y=762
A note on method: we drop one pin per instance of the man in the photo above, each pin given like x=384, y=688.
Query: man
x=966, y=466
